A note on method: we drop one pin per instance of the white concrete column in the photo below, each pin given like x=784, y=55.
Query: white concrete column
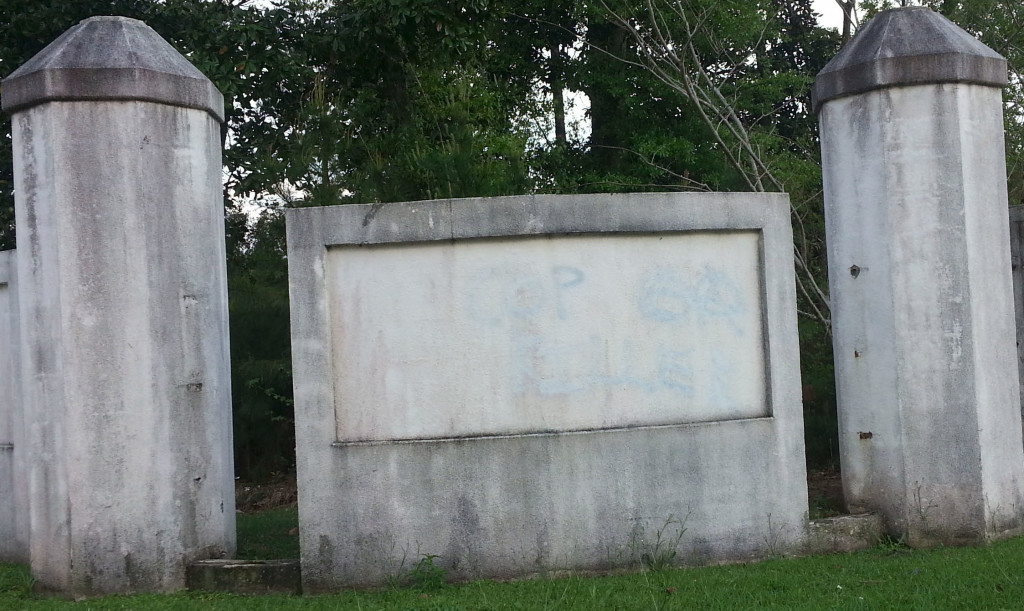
x=919, y=270
x=123, y=299
x=13, y=487
x=1017, y=265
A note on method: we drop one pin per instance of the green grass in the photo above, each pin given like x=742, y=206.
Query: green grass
x=268, y=535
x=888, y=576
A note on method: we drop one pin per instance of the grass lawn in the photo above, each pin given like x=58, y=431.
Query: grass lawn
x=888, y=576
x=268, y=535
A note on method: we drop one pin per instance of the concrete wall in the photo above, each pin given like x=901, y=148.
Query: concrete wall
x=526, y=384
x=13, y=485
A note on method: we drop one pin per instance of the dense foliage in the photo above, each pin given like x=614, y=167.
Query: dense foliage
x=373, y=100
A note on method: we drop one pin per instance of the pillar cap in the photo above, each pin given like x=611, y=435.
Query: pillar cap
x=907, y=46
x=110, y=58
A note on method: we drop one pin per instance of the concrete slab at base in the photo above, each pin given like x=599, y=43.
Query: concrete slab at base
x=245, y=576
x=843, y=534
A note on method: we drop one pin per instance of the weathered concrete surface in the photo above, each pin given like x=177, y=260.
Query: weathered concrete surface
x=13, y=484
x=246, y=576
x=123, y=303
x=922, y=308
x=111, y=58
x=842, y=534
x=908, y=46
x=506, y=454
x=1017, y=266
x=545, y=316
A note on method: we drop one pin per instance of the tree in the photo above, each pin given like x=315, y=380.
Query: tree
x=228, y=41
x=261, y=379
x=373, y=101
x=742, y=65
x=849, y=8
x=397, y=103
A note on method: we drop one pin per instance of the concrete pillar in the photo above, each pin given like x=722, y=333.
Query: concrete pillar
x=1017, y=265
x=13, y=487
x=123, y=297
x=919, y=269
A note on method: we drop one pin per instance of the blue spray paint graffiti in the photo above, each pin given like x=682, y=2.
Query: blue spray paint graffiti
x=503, y=293
x=532, y=305
x=670, y=296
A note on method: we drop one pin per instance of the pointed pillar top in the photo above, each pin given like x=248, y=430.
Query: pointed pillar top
x=110, y=58
x=908, y=46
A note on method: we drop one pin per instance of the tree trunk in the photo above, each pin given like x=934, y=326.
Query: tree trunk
x=606, y=137
x=847, y=7
x=556, y=81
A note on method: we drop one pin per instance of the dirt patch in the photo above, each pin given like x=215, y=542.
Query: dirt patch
x=825, y=493
x=279, y=493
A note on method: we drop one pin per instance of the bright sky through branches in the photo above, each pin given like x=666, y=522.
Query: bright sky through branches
x=831, y=14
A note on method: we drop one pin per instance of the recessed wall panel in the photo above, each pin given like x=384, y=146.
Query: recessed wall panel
x=531, y=334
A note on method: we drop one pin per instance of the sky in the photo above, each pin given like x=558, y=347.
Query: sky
x=832, y=16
